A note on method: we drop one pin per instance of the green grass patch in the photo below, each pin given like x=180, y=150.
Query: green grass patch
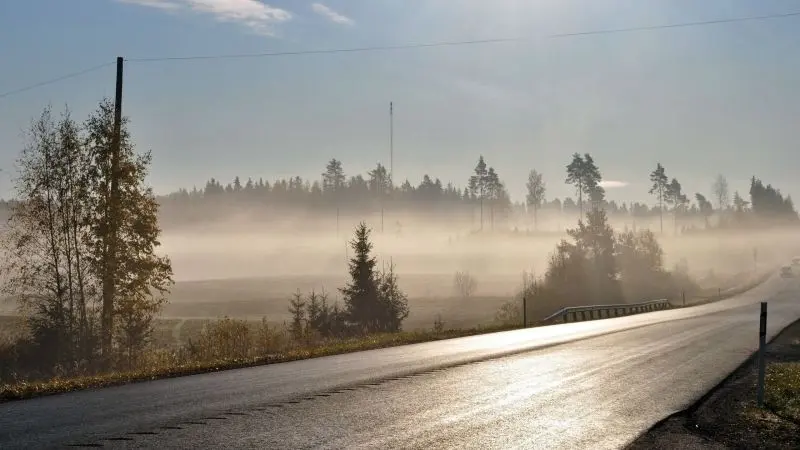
x=24, y=390
x=782, y=394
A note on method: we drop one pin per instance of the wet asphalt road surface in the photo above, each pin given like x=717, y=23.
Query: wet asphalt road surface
x=591, y=385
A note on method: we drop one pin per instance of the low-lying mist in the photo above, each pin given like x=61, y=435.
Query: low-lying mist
x=290, y=252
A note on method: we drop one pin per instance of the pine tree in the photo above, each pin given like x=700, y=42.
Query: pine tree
x=333, y=179
x=705, y=206
x=575, y=177
x=478, y=184
x=677, y=199
x=493, y=192
x=660, y=184
x=314, y=312
x=592, y=179
x=361, y=293
x=297, y=310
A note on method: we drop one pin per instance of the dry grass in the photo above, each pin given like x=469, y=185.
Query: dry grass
x=168, y=357
x=461, y=313
x=163, y=368
x=782, y=394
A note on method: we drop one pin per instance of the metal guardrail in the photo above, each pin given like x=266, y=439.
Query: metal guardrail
x=583, y=313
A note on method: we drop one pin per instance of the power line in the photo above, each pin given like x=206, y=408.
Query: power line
x=317, y=52
x=679, y=25
x=55, y=80
x=469, y=42
x=408, y=46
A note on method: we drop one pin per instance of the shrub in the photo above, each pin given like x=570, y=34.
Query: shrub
x=464, y=284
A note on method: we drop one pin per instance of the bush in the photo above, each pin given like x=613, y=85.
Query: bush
x=235, y=339
x=600, y=267
x=510, y=313
x=464, y=284
x=438, y=324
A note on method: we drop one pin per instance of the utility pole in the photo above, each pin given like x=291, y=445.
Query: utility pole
x=109, y=286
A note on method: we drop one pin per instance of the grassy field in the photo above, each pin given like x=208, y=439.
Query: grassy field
x=172, y=332
x=783, y=390
x=183, y=321
x=193, y=303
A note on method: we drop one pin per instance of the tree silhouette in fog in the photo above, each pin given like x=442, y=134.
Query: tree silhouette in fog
x=485, y=196
x=659, y=188
x=536, y=189
x=582, y=172
x=373, y=300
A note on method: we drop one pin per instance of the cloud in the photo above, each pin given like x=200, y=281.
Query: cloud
x=160, y=4
x=253, y=14
x=331, y=15
x=611, y=184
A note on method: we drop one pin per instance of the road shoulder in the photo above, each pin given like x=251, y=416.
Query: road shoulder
x=727, y=417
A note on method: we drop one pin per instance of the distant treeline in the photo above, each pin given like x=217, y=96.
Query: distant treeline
x=484, y=194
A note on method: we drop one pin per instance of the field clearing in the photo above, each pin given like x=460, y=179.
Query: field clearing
x=184, y=319
x=193, y=303
x=181, y=322
x=456, y=312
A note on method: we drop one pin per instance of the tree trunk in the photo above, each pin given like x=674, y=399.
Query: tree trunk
x=481, y=212
x=54, y=256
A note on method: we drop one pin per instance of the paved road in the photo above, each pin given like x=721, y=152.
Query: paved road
x=582, y=385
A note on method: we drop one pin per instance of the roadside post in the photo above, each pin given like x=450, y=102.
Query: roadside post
x=755, y=259
x=683, y=294
x=524, y=311
x=762, y=343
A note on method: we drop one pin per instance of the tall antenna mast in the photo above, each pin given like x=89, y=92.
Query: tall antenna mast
x=391, y=142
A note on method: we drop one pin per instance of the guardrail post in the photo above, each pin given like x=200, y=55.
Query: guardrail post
x=762, y=343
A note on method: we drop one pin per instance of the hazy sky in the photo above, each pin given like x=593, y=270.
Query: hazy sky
x=721, y=98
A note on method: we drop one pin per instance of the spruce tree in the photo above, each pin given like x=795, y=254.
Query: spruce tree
x=297, y=310
x=361, y=293
x=394, y=302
